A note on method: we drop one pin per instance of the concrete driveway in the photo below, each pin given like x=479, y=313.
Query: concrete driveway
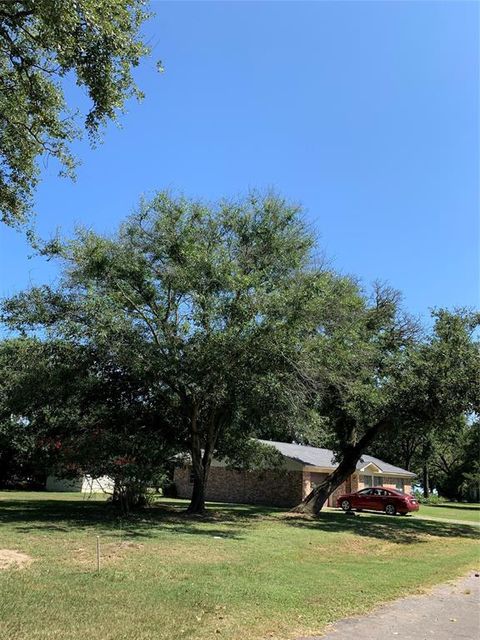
x=449, y=612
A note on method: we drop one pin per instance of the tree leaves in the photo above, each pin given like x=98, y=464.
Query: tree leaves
x=41, y=43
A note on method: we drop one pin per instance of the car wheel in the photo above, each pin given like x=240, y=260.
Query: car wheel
x=346, y=506
x=390, y=510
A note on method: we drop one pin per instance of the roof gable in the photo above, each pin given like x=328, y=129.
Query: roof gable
x=325, y=458
x=369, y=466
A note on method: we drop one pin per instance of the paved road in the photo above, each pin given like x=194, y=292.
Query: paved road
x=449, y=612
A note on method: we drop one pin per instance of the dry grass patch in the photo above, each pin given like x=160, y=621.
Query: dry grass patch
x=366, y=546
x=348, y=546
x=195, y=554
x=113, y=553
x=11, y=559
x=110, y=552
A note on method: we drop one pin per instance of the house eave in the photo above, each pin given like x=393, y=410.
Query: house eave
x=381, y=474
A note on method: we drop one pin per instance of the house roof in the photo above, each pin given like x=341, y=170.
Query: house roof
x=325, y=458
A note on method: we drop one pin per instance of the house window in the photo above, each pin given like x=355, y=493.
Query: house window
x=400, y=484
x=367, y=481
x=378, y=481
x=191, y=477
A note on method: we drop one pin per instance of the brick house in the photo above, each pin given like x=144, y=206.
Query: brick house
x=285, y=486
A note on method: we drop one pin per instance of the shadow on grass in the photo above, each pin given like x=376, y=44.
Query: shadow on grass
x=396, y=529
x=457, y=506
x=30, y=514
x=223, y=520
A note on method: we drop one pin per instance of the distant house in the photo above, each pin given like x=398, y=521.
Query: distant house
x=303, y=468
x=82, y=484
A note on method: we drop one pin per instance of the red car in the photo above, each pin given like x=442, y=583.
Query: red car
x=378, y=499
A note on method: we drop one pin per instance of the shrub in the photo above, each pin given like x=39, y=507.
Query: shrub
x=433, y=499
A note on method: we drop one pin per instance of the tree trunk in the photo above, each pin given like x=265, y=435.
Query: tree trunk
x=197, y=501
x=407, y=458
x=426, y=480
x=201, y=463
x=316, y=499
x=200, y=477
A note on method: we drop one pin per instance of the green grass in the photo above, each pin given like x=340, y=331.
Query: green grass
x=242, y=572
x=452, y=511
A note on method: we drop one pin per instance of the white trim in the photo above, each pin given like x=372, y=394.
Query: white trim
x=371, y=464
x=384, y=474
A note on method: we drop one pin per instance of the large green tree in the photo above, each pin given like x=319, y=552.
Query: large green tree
x=215, y=299
x=41, y=43
x=242, y=334
x=377, y=372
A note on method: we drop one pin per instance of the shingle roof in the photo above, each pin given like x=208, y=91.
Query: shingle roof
x=316, y=457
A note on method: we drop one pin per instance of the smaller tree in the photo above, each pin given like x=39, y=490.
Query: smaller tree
x=440, y=454
x=454, y=460
x=81, y=414
x=376, y=373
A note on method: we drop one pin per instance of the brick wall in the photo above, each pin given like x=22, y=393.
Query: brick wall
x=354, y=480
x=280, y=488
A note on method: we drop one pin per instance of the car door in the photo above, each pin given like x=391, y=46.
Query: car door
x=380, y=499
x=374, y=500
x=364, y=499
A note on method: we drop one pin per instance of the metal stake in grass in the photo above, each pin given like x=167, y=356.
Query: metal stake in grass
x=98, y=554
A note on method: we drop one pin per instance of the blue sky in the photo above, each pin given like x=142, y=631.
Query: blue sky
x=366, y=113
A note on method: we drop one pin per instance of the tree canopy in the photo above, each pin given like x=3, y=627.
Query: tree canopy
x=201, y=325
x=380, y=372
x=41, y=44
x=211, y=300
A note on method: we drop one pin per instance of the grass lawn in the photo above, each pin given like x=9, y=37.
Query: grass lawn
x=242, y=572
x=452, y=511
